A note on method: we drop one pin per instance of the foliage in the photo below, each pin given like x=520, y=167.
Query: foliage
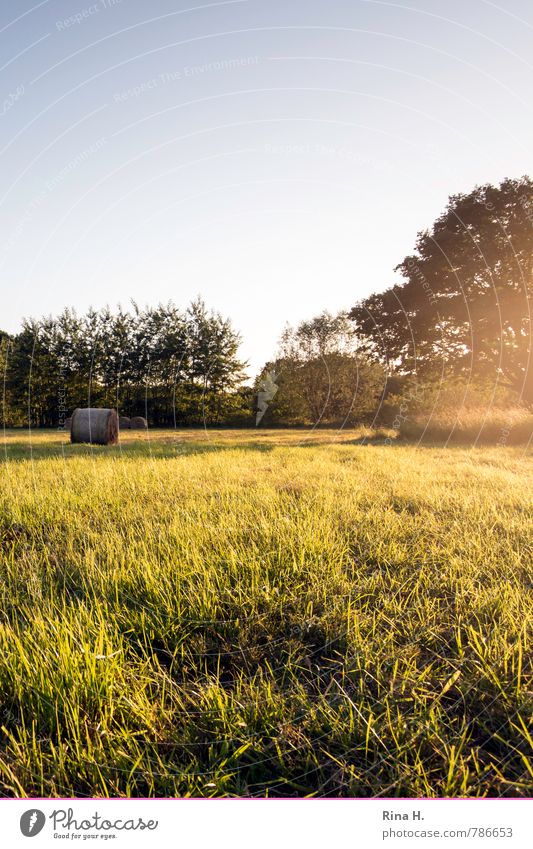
x=322, y=375
x=170, y=366
x=465, y=305
x=414, y=405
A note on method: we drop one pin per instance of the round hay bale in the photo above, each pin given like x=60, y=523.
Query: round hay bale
x=124, y=422
x=138, y=423
x=99, y=427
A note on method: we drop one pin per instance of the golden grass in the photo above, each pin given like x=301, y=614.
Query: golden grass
x=275, y=613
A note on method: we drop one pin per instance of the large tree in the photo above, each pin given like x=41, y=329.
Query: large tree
x=465, y=304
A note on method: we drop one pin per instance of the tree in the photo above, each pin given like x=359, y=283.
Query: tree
x=465, y=304
x=214, y=372
x=6, y=343
x=322, y=375
x=171, y=365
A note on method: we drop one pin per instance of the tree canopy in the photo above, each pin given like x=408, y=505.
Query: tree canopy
x=464, y=307
x=173, y=366
x=322, y=376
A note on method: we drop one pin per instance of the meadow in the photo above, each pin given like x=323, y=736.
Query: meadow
x=264, y=613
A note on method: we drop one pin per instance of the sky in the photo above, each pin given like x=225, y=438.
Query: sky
x=276, y=157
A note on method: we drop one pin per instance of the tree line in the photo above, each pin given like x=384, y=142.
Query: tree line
x=455, y=331
x=459, y=318
x=176, y=367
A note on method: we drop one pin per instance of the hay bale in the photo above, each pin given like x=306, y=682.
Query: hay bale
x=99, y=427
x=124, y=422
x=138, y=423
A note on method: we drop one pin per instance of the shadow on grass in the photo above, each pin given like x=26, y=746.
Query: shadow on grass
x=165, y=445
x=19, y=451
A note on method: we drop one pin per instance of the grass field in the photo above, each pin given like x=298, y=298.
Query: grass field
x=264, y=614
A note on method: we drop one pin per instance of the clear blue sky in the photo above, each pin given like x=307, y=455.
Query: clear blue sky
x=275, y=156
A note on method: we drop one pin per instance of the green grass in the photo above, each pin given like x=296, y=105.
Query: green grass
x=264, y=614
